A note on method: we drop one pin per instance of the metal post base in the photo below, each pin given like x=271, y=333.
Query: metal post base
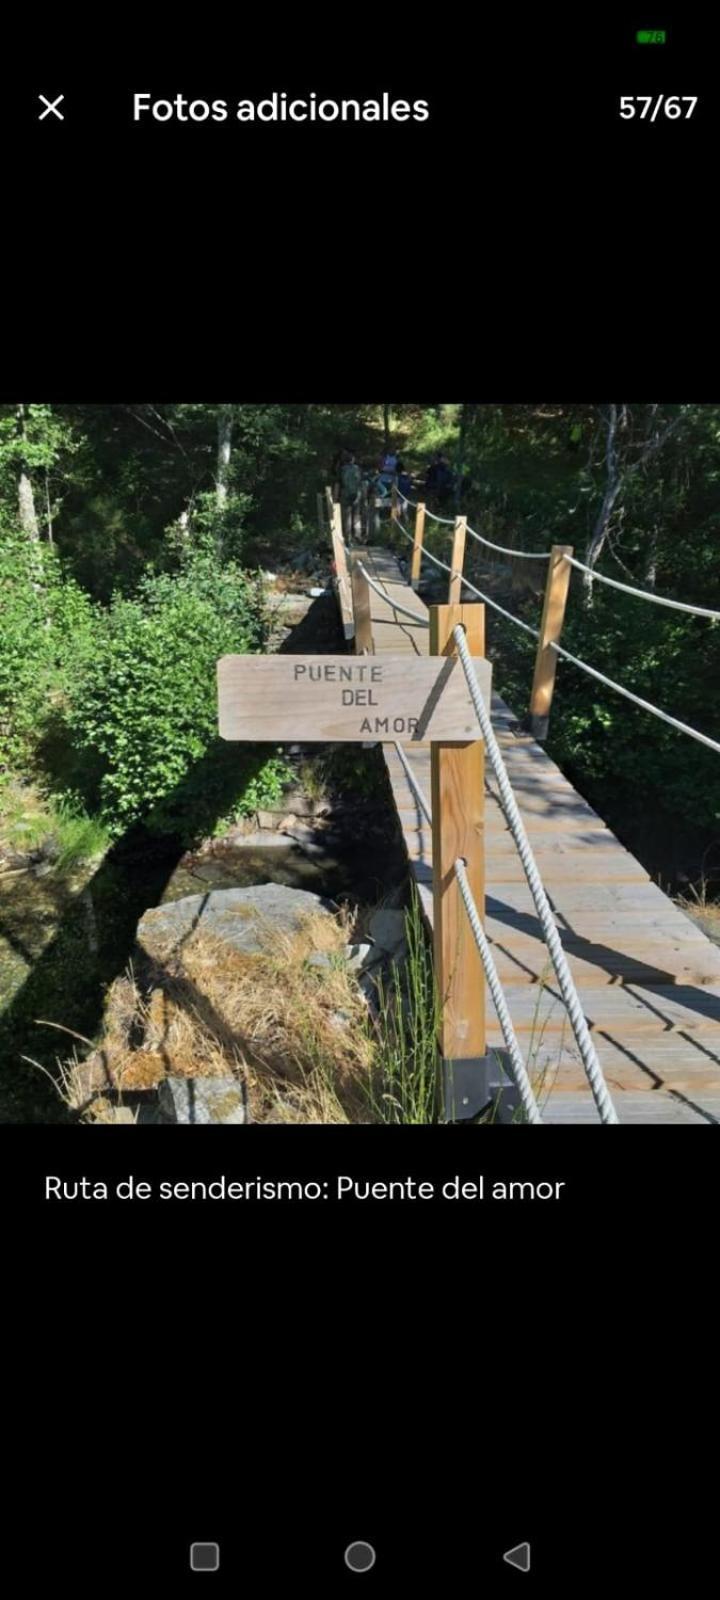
x=477, y=1085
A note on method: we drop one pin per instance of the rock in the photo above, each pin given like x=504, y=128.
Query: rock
x=387, y=930
x=202, y=1100
x=262, y=839
x=269, y=819
x=301, y=831
x=320, y=958
x=240, y=916
x=297, y=804
x=356, y=955
x=315, y=851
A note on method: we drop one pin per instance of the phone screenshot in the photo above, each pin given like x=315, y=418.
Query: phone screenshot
x=360, y=806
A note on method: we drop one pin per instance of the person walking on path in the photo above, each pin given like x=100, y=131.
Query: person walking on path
x=350, y=486
x=404, y=483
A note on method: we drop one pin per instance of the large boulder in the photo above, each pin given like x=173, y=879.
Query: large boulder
x=241, y=917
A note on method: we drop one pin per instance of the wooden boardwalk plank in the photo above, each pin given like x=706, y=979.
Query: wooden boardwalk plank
x=648, y=978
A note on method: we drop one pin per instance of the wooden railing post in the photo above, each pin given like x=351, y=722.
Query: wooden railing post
x=364, y=644
x=343, y=576
x=458, y=831
x=330, y=503
x=416, y=563
x=553, y=614
x=393, y=503
x=456, y=561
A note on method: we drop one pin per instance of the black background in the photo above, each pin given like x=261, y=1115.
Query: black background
x=444, y=1380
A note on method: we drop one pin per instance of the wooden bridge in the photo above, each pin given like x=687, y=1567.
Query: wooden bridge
x=648, y=979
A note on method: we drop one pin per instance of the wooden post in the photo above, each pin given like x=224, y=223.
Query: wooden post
x=330, y=503
x=321, y=513
x=416, y=563
x=458, y=823
x=361, y=610
x=341, y=569
x=393, y=503
x=556, y=593
x=456, y=562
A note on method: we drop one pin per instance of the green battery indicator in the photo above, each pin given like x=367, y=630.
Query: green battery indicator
x=651, y=36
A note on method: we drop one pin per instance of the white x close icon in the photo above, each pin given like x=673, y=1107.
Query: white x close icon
x=51, y=105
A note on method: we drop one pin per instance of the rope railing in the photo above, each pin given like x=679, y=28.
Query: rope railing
x=568, y=991
x=428, y=556
x=505, y=550
x=645, y=705
x=566, y=983
x=449, y=522
x=517, y=1068
x=383, y=594
x=641, y=594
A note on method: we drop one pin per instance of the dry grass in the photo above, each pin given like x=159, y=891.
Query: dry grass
x=296, y=1033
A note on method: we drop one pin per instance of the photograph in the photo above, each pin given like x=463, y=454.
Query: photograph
x=359, y=763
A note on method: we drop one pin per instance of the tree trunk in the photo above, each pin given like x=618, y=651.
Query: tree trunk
x=48, y=508
x=26, y=499
x=222, y=479
x=651, y=568
x=612, y=490
x=467, y=414
x=225, y=426
x=386, y=427
x=26, y=506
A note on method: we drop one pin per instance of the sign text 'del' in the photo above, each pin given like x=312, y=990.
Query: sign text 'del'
x=345, y=698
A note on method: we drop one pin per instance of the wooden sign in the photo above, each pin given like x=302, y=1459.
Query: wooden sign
x=346, y=698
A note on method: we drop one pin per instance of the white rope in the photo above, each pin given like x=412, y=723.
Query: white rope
x=471, y=586
x=422, y=801
x=526, y=555
x=422, y=622
x=473, y=590
x=673, y=722
x=564, y=976
x=517, y=1068
x=642, y=594
x=448, y=521
x=702, y=738
x=518, y=624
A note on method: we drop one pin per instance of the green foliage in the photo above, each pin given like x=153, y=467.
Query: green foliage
x=404, y=1082
x=48, y=631
x=341, y=770
x=32, y=436
x=144, y=713
x=31, y=820
x=263, y=780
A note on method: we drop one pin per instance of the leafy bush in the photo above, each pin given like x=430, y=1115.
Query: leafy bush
x=145, y=709
x=48, y=631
